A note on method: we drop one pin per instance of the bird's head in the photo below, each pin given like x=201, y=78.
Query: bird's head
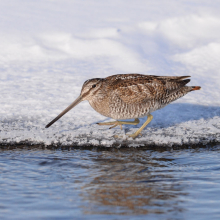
x=90, y=88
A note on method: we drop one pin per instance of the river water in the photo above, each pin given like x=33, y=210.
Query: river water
x=95, y=183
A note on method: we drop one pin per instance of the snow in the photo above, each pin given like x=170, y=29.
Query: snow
x=48, y=48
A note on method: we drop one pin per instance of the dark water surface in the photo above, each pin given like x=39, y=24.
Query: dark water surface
x=138, y=183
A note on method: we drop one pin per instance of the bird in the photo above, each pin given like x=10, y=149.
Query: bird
x=130, y=96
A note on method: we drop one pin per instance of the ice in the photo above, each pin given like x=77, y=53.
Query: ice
x=49, y=48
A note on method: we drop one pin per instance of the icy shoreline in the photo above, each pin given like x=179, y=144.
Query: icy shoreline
x=169, y=131
x=205, y=142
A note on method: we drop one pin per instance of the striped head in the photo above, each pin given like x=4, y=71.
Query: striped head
x=90, y=88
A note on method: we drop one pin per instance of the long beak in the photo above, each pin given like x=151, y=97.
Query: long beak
x=77, y=101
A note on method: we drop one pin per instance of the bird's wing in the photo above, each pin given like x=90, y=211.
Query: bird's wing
x=137, y=88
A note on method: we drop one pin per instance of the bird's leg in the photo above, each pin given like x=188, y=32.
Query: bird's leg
x=149, y=118
x=120, y=123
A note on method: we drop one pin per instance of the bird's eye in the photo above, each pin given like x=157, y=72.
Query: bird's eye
x=93, y=86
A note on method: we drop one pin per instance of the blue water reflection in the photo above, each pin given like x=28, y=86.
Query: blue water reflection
x=111, y=184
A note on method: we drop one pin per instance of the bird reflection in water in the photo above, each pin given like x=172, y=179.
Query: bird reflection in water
x=133, y=183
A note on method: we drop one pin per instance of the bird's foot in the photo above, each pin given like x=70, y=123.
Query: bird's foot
x=133, y=135
x=149, y=118
x=120, y=123
x=114, y=123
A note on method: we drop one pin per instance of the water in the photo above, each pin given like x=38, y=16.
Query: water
x=40, y=183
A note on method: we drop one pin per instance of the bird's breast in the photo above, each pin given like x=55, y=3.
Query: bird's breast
x=101, y=105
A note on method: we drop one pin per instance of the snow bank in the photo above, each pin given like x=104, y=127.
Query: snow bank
x=49, y=48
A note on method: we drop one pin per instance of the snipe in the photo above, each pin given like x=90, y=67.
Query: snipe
x=130, y=96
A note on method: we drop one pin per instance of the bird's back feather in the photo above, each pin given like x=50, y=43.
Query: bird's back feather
x=137, y=88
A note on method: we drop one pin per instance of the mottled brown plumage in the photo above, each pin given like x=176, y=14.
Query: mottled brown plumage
x=128, y=96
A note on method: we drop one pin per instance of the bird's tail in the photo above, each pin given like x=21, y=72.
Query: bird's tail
x=195, y=88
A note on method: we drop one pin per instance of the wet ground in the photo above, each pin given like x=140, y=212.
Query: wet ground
x=95, y=183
